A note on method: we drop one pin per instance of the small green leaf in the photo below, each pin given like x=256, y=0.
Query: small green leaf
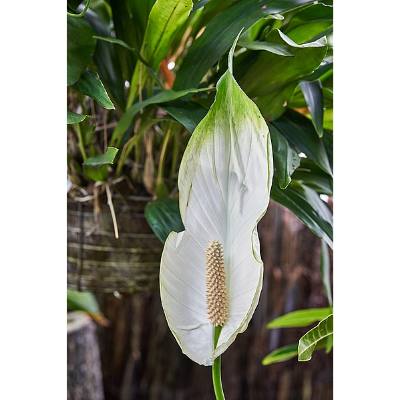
x=163, y=216
x=325, y=271
x=96, y=174
x=82, y=301
x=80, y=48
x=300, y=318
x=312, y=91
x=91, y=85
x=309, y=341
x=306, y=204
x=74, y=118
x=286, y=159
x=281, y=354
x=103, y=159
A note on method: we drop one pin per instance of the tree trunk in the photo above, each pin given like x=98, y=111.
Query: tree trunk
x=142, y=360
x=84, y=369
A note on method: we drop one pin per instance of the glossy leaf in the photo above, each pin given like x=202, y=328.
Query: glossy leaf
x=281, y=354
x=306, y=204
x=91, y=85
x=159, y=98
x=300, y=133
x=220, y=32
x=82, y=301
x=309, y=174
x=163, y=217
x=107, y=62
x=300, y=318
x=310, y=340
x=312, y=91
x=286, y=159
x=326, y=271
x=271, y=79
x=189, y=114
x=80, y=48
x=275, y=48
x=74, y=118
x=103, y=159
x=165, y=19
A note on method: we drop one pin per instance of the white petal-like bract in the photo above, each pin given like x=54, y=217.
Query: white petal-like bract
x=224, y=185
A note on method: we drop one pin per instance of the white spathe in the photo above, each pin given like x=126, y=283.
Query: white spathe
x=224, y=185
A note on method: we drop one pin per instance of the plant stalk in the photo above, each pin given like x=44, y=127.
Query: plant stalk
x=216, y=369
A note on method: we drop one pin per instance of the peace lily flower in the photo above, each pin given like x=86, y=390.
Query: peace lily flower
x=211, y=273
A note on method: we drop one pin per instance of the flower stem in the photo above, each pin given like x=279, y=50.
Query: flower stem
x=216, y=369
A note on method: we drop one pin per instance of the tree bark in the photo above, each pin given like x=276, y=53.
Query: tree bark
x=142, y=361
x=84, y=369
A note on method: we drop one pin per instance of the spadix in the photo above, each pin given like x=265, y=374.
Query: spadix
x=211, y=273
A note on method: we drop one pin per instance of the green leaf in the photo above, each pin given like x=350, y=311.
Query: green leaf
x=91, y=85
x=306, y=204
x=82, y=301
x=300, y=318
x=325, y=271
x=165, y=19
x=161, y=97
x=163, y=216
x=80, y=48
x=309, y=341
x=312, y=176
x=74, y=118
x=97, y=173
x=286, y=159
x=107, y=61
x=103, y=159
x=281, y=354
x=312, y=91
x=301, y=134
x=273, y=90
x=275, y=48
x=220, y=33
x=187, y=113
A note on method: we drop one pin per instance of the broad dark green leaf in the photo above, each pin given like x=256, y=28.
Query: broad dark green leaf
x=220, y=33
x=324, y=71
x=82, y=301
x=271, y=79
x=80, y=48
x=281, y=354
x=163, y=216
x=189, y=114
x=97, y=173
x=107, y=61
x=161, y=97
x=306, y=204
x=165, y=19
x=312, y=91
x=301, y=134
x=91, y=85
x=286, y=159
x=325, y=271
x=74, y=118
x=300, y=318
x=310, y=340
x=310, y=23
x=275, y=48
x=102, y=159
x=312, y=176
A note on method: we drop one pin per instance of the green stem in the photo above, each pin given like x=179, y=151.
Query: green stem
x=80, y=141
x=216, y=369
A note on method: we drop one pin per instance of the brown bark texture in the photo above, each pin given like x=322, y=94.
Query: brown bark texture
x=84, y=378
x=142, y=361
